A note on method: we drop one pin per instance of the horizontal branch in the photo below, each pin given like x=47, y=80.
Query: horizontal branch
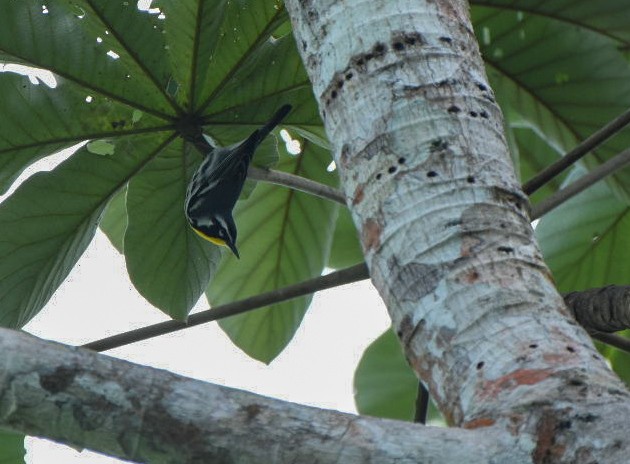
x=141, y=414
x=578, y=152
x=296, y=182
x=334, y=279
x=609, y=167
x=621, y=343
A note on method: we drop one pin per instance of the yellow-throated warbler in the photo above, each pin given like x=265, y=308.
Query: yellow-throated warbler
x=218, y=182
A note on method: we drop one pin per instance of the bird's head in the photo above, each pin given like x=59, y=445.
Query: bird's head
x=220, y=231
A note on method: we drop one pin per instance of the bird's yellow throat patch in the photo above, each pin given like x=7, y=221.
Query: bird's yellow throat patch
x=215, y=240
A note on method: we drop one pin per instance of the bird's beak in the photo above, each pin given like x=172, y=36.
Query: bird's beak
x=232, y=247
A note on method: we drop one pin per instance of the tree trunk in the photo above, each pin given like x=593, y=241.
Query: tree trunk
x=417, y=136
x=418, y=140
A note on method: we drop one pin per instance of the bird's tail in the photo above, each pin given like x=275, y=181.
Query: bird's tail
x=259, y=135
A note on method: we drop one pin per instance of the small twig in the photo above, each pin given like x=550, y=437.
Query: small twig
x=296, y=182
x=578, y=152
x=422, y=404
x=617, y=341
x=581, y=184
x=334, y=279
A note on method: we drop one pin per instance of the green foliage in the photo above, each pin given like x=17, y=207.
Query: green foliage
x=384, y=384
x=346, y=249
x=128, y=81
x=11, y=448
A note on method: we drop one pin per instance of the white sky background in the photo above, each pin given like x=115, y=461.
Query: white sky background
x=98, y=300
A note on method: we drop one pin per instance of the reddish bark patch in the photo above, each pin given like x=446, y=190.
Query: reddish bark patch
x=547, y=450
x=492, y=389
x=560, y=359
x=471, y=277
x=358, y=196
x=479, y=423
x=371, y=236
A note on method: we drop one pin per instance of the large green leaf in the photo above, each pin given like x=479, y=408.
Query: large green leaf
x=384, y=384
x=167, y=262
x=11, y=448
x=534, y=154
x=284, y=238
x=38, y=121
x=563, y=81
x=211, y=41
x=346, y=249
x=584, y=241
x=608, y=17
x=48, y=222
x=72, y=39
x=130, y=74
x=114, y=220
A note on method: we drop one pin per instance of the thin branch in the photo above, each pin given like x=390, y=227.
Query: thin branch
x=617, y=341
x=334, y=279
x=581, y=184
x=578, y=152
x=296, y=182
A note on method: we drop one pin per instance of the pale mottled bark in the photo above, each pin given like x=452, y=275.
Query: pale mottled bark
x=149, y=415
x=417, y=137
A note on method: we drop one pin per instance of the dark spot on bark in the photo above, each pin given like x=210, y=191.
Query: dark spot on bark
x=431, y=174
x=392, y=169
x=570, y=349
x=588, y=418
x=576, y=382
x=564, y=425
x=453, y=109
x=349, y=76
x=339, y=84
x=472, y=277
x=378, y=176
x=484, y=114
x=512, y=197
x=58, y=380
x=480, y=365
x=470, y=179
x=447, y=40
x=481, y=87
x=345, y=153
x=399, y=46
x=438, y=144
x=333, y=94
x=401, y=160
x=251, y=411
x=379, y=48
x=533, y=346
x=504, y=249
x=473, y=114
